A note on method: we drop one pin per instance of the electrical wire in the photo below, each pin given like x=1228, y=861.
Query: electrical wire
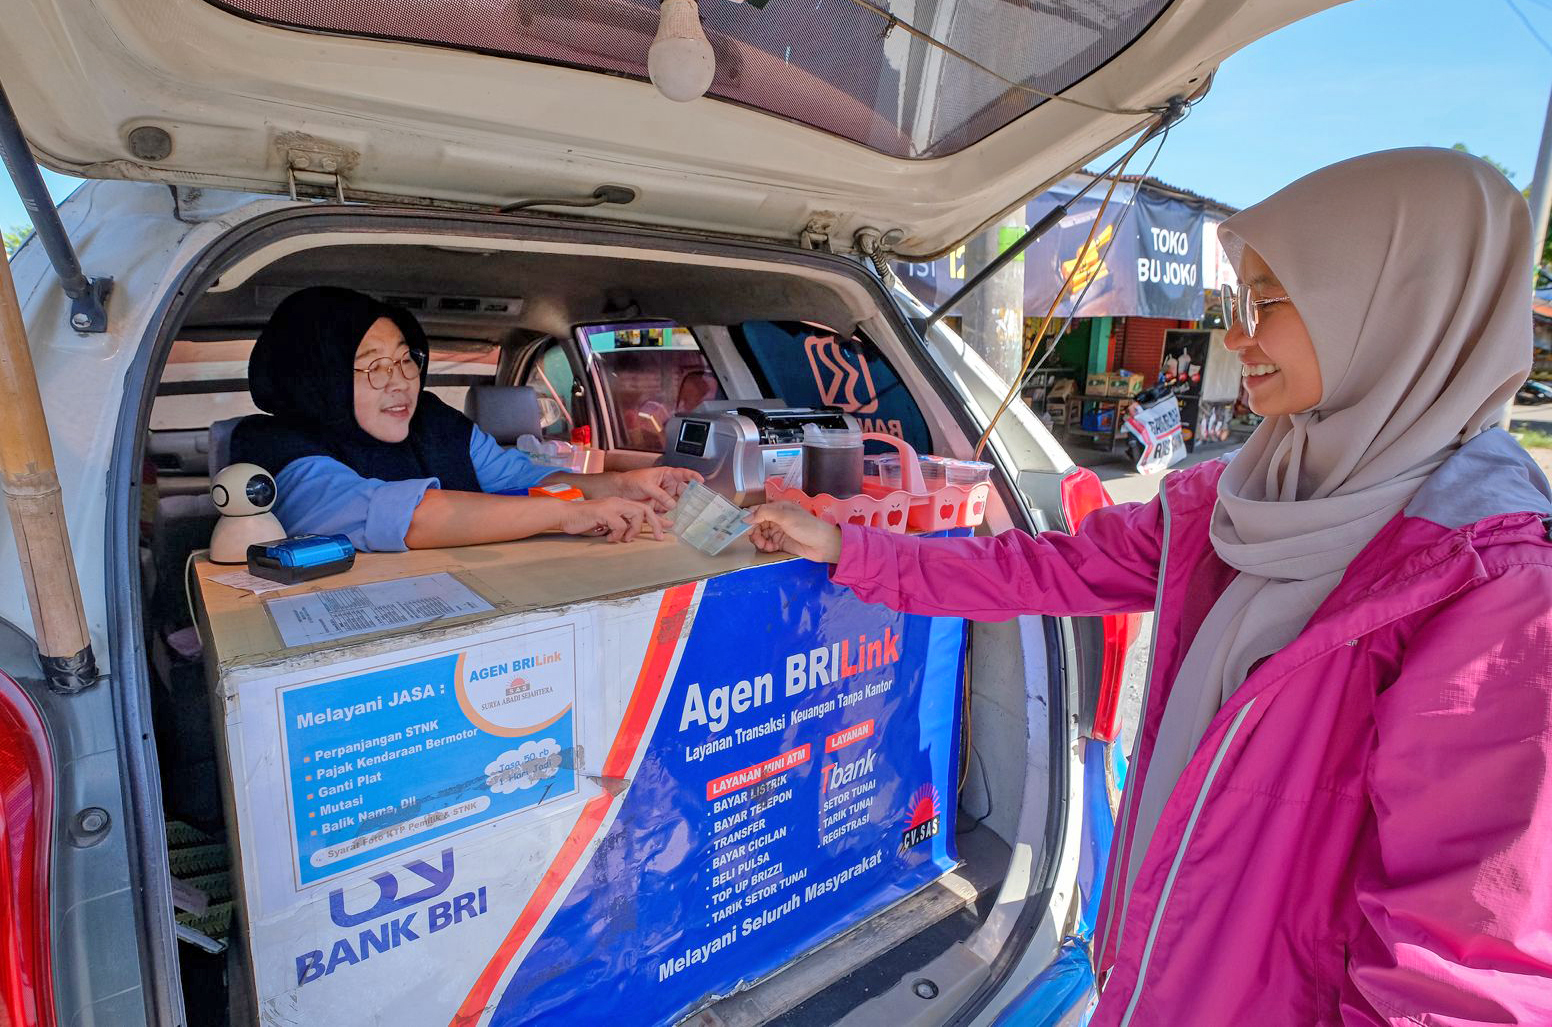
x=1528, y=26
x=188, y=595
x=986, y=786
x=1078, y=262
x=945, y=306
x=894, y=21
x=968, y=732
x=1056, y=337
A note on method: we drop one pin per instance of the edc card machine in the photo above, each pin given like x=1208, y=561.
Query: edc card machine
x=737, y=444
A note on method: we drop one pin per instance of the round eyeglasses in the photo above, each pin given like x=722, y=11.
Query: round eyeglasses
x=1239, y=306
x=380, y=371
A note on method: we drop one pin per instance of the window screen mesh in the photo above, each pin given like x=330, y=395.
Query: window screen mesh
x=834, y=65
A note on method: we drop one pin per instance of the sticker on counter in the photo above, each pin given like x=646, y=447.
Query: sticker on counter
x=384, y=760
x=779, y=461
x=379, y=606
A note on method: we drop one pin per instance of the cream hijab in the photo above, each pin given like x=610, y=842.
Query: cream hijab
x=1412, y=271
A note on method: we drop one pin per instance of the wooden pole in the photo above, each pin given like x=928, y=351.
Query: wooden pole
x=32, y=498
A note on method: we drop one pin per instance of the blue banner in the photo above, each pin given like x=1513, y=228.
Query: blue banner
x=1146, y=260
x=800, y=778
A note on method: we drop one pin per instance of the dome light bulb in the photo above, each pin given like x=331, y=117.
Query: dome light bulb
x=680, y=61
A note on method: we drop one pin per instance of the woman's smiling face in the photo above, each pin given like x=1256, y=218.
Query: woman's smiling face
x=384, y=413
x=1278, y=366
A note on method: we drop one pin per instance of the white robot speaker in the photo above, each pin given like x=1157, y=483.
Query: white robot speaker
x=243, y=493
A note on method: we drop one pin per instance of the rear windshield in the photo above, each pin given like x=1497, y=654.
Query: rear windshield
x=853, y=68
x=651, y=374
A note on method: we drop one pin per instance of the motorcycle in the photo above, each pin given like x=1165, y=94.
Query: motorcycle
x=1534, y=392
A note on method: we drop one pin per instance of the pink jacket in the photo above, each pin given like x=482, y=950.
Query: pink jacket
x=1365, y=834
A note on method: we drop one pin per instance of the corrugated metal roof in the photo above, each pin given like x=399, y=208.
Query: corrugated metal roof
x=1217, y=206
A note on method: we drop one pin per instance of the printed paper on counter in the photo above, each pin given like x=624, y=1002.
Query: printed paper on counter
x=379, y=606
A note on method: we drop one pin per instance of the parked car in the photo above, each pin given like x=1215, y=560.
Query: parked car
x=1533, y=392
x=506, y=172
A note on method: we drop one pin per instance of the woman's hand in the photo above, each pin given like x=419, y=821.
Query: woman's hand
x=788, y=528
x=660, y=486
x=620, y=519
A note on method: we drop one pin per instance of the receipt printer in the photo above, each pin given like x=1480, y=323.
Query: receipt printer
x=737, y=444
x=301, y=558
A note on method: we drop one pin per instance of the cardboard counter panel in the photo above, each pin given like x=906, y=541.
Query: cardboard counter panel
x=647, y=778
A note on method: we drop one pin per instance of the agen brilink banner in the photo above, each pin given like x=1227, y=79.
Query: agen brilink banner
x=608, y=814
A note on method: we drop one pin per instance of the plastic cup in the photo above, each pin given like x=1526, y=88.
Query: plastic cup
x=832, y=461
x=934, y=472
x=889, y=471
x=966, y=473
x=706, y=521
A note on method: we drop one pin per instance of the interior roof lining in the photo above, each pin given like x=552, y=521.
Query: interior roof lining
x=560, y=284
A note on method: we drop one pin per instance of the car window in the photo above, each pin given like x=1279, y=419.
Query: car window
x=807, y=365
x=456, y=365
x=205, y=382
x=552, y=379
x=650, y=371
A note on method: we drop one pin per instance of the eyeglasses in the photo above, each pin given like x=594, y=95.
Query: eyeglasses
x=380, y=371
x=1239, y=306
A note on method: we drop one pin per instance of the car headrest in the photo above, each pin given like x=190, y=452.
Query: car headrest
x=504, y=411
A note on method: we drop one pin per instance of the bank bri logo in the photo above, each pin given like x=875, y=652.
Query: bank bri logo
x=385, y=926
x=843, y=377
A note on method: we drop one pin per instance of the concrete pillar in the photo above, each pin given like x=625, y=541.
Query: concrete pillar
x=1099, y=345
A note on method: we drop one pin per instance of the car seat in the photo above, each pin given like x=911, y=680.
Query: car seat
x=503, y=411
x=221, y=444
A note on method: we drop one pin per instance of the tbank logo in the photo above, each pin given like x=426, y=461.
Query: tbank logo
x=843, y=378
x=389, y=925
x=924, y=819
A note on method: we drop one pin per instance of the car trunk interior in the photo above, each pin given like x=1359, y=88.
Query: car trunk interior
x=490, y=306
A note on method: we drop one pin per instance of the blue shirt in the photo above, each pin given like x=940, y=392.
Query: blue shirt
x=318, y=495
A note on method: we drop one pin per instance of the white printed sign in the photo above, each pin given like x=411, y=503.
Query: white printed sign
x=1157, y=427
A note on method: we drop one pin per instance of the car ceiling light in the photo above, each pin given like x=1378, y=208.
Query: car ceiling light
x=680, y=61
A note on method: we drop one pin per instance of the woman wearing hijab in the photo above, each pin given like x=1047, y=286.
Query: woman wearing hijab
x=1340, y=811
x=359, y=448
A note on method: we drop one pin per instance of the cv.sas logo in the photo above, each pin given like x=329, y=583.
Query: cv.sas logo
x=924, y=819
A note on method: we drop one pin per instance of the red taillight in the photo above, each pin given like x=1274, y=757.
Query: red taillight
x=1082, y=494
x=26, y=821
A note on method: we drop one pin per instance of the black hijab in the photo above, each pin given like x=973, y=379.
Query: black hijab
x=302, y=371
